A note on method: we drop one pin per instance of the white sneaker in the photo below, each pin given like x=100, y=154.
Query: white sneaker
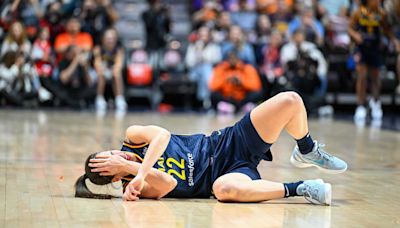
x=101, y=104
x=376, y=109
x=44, y=94
x=360, y=114
x=120, y=103
x=316, y=192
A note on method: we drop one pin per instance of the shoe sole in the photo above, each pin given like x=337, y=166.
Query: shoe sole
x=328, y=194
x=306, y=165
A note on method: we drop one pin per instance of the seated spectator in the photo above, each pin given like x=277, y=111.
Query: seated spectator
x=76, y=86
x=281, y=18
x=333, y=7
x=200, y=58
x=96, y=17
x=42, y=58
x=314, y=31
x=42, y=53
x=260, y=37
x=18, y=81
x=270, y=7
x=234, y=5
x=206, y=15
x=234, y=85
x=245, y=18
x=73, y=37
x=299, y=49
x=108, y=62
x=238, y=43
x=52, y=19
x=271, y=66
x=16, y=41
x=221, y=28
x=28, y=12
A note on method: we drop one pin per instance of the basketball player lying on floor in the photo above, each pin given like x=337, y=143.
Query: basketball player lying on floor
x=153, y=163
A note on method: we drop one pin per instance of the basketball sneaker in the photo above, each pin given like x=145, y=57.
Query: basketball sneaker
x=360, y=114
x=316, y=192
x=376, y=109
x=101, y=104
x=318, y=158
x=120, y=103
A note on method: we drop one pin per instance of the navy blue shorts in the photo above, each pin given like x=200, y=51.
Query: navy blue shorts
x=369, y=55
x=238, y=149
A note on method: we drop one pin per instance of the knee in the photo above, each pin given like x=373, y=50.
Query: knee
x=291, y=99
x=226, y=192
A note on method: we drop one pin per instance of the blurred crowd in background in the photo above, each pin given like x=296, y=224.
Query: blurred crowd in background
x=238, y=53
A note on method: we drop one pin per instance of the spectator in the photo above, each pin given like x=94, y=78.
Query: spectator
x=96, y=17
x=244, y=17
x=238, y=43
x=314, y=31
x=108, y=62
x=18, y=80
x=206, y=15
x=76, y=87
x=221, y=29
x=333, y=7
x=270, y=7
x=260, y=37
x=42, y=57
x=234, y=85
x=28, y=12
x=16, y=40
x=200, y=58
x=271, y=66
x=157, y=24
x=282, y=17
x=42, y=53
x=52, y=19
x=367, y=26
x=234, y=5
x=299, y=49
x=73, y=37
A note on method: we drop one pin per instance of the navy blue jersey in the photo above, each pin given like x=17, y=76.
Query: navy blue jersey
x=187, y=159
x=196, y=161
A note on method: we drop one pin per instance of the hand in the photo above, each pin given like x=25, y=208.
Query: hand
x=19, y=62
x=133, y=189
x=108, y=165
x=358, y=38
x=235, y=80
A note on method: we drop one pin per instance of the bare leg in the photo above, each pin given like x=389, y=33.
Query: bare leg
x=375, y=83
x=237, y=187
x=101, y=84
x=361, y=84
x=117, y=84
x=283, y=111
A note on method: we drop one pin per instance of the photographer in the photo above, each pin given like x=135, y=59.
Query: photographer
x=157, y=23
x=306, y=69
x=76, y=87
x=235, y=85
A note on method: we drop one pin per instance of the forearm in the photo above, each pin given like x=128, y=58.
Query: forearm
x=156, y=148
x=66, y=74
x=157, y=179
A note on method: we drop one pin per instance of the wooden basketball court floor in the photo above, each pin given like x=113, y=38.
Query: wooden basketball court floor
x=42, y=154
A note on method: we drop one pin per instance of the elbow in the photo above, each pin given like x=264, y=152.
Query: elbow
x=165, y=135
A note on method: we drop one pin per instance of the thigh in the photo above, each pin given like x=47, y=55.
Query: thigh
x=232, y=179
x=270, y=117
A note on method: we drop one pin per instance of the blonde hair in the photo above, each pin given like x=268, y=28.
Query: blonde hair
x=19, y=40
